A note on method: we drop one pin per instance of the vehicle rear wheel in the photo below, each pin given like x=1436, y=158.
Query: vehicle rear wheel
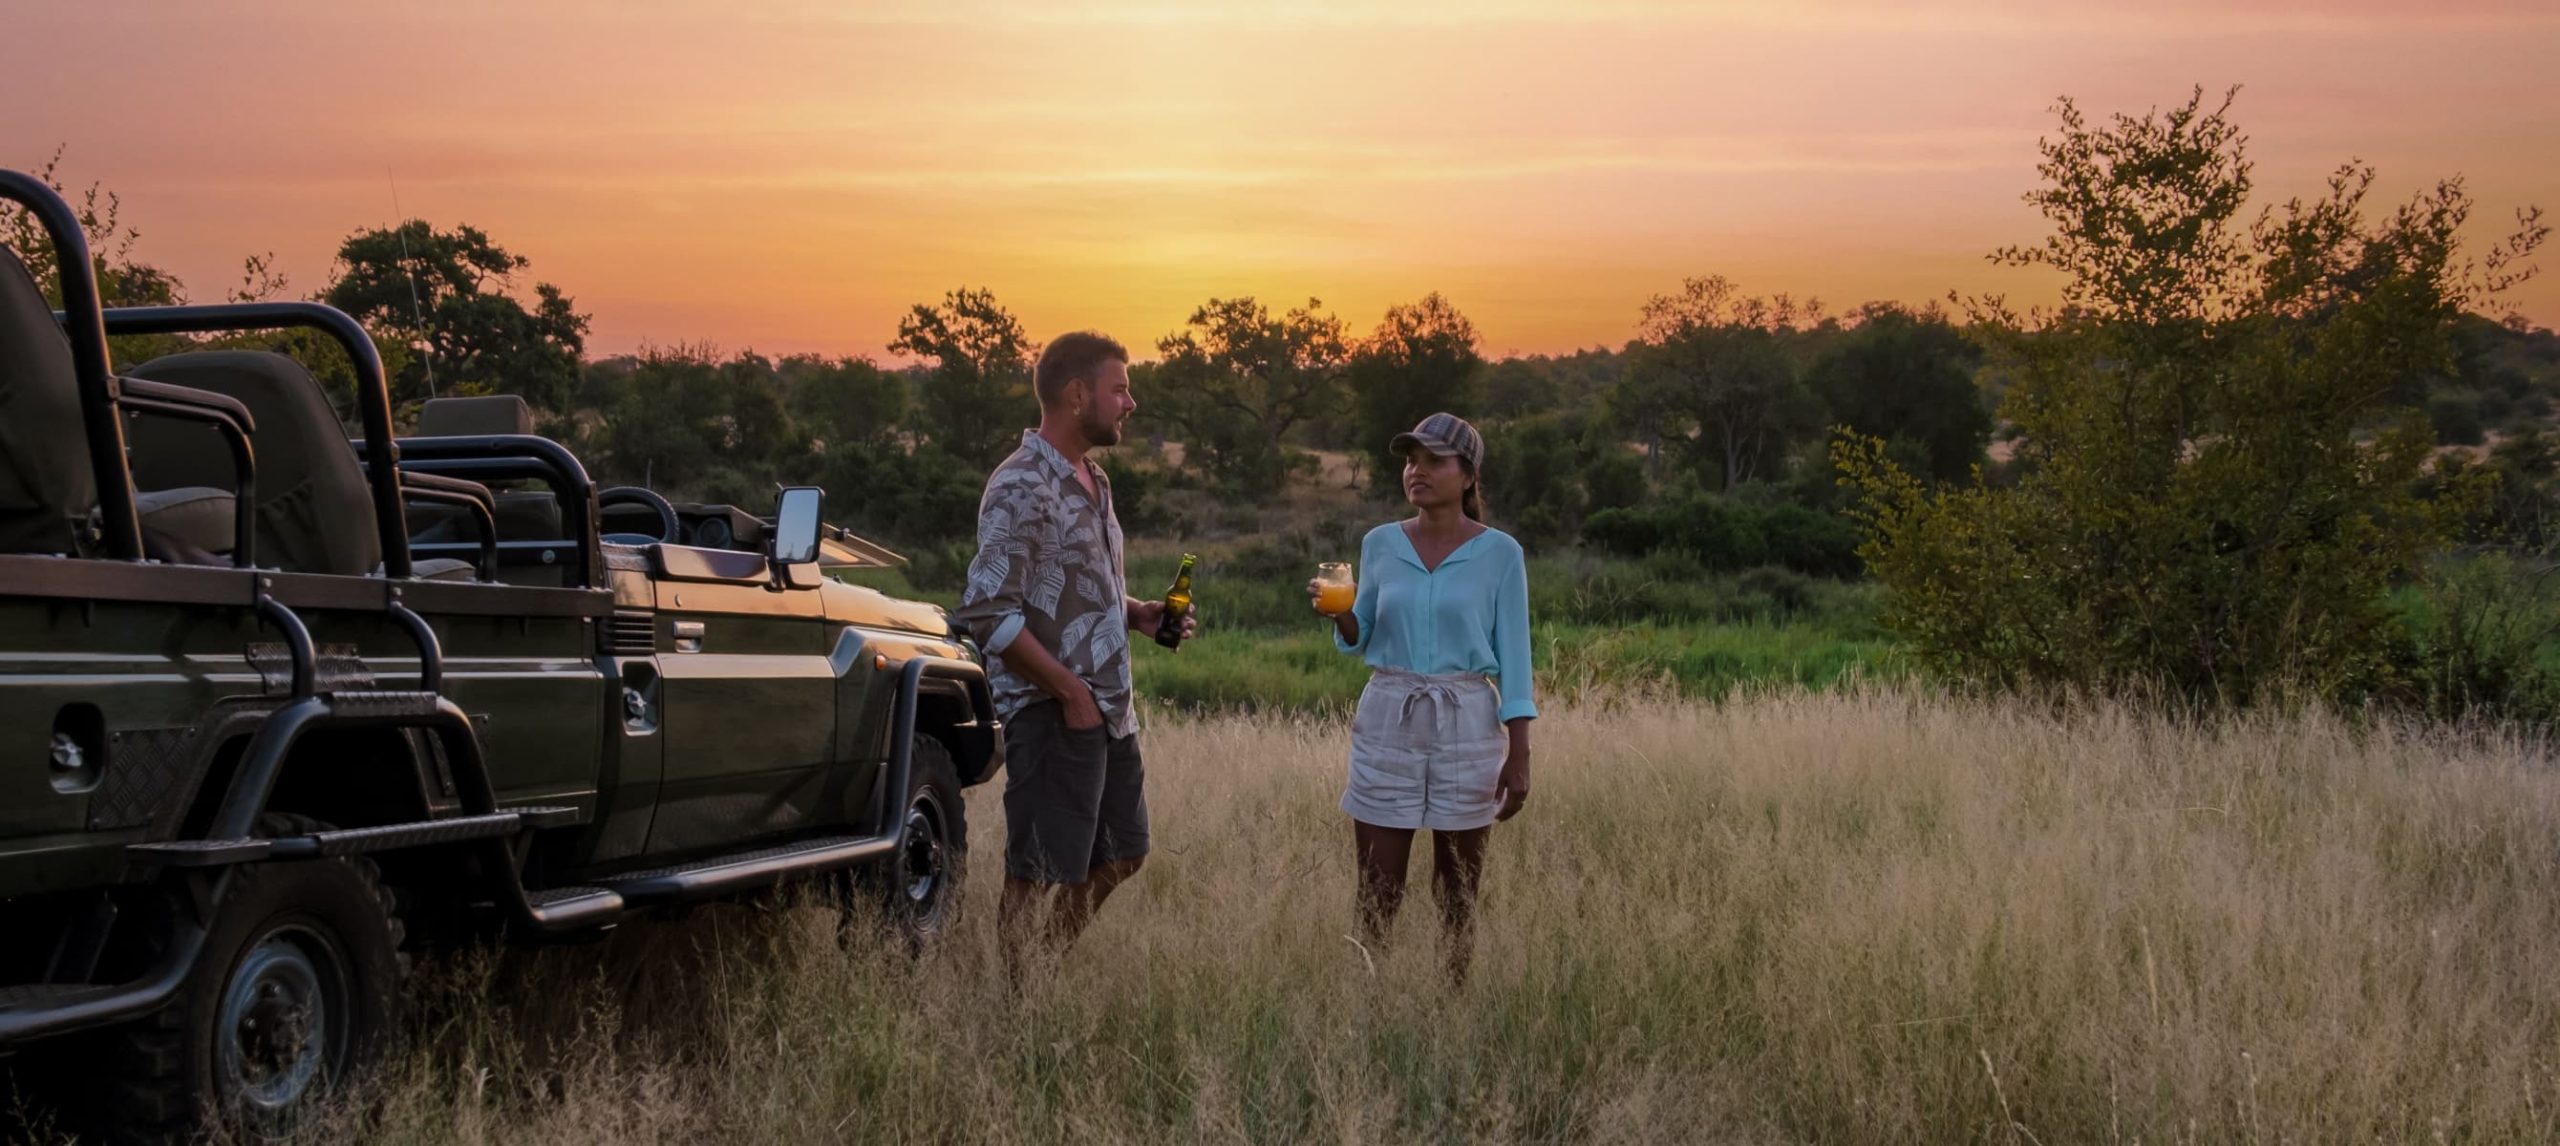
x=918, y=885
x=297, y=989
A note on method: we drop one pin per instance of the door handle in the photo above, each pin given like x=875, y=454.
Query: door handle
x=688, y=636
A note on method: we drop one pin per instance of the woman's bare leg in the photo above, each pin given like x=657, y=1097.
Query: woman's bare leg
x=1383, y=854
x=1457, y=871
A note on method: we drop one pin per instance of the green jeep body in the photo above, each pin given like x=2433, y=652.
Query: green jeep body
x=442, y=667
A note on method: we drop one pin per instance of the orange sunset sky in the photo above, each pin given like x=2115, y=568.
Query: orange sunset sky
x=791, y=176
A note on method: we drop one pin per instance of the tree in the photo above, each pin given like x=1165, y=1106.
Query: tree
x=122, y=279
x=1533, y=475
x=2203, y=506
x=1239, y=380
x=977, y=398
x=845, y=402
x=444, y=293
x=685, y=420
x=1907, y=377
x=1521, y=388
x=1711, y=378
x=1421, y=359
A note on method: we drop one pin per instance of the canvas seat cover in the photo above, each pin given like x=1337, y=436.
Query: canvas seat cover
x=314, y=510
x=47, y=490
x=522, y=514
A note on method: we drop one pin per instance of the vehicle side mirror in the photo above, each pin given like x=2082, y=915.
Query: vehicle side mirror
x=795, y=525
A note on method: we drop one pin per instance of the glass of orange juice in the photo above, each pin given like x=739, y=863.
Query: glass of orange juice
x=1335, y=589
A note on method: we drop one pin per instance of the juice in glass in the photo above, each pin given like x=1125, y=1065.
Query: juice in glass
x=1335, y=591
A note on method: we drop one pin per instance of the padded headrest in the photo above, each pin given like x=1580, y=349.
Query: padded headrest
x=315, y=512
x=473, y=417
x=46, y=488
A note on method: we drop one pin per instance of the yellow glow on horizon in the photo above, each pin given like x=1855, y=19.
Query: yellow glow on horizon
x=790, y=176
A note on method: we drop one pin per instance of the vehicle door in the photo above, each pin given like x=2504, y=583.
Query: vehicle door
x=749, y=695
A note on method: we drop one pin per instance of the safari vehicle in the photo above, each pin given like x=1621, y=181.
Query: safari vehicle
x=275, y=705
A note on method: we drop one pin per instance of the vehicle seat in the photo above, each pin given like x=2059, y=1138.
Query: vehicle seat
x=47, y=490
x=523, y=514
x=189, y=525
x=314, y=510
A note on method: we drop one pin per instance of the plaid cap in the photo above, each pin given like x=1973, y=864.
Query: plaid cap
x=1445, y=434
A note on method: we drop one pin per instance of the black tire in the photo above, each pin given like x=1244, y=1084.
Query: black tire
x=918, y=886
x=308, y=948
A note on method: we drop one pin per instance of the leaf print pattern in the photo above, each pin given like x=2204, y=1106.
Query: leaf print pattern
x=1051, y=557
x=1051, y=590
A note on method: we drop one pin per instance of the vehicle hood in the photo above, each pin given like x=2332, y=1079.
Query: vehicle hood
x=859, y=605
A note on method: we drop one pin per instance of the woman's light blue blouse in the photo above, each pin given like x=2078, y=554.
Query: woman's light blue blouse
x=1471, y=615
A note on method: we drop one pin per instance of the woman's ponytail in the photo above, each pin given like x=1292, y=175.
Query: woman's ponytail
x=1471, y=502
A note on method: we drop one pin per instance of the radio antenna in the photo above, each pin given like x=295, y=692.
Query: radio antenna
x=409, y=271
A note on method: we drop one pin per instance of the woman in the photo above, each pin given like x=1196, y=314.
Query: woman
x=1441, y=738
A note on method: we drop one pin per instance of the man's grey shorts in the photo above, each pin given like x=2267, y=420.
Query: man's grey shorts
x=1073, y=800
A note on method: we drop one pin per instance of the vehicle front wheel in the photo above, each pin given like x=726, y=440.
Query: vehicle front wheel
x=298, y=986
x=918, y=885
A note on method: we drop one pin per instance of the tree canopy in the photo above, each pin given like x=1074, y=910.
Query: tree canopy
x=445, y=294
x=1237, y=380
x=977, y=393
x=2207, y=504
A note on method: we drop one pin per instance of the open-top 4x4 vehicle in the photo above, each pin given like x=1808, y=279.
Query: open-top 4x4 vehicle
x=273, y=702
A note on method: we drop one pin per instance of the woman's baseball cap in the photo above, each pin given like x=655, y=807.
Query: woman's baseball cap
x=1445, y=434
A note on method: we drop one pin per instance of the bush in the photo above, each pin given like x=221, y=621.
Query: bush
x=1529, y=481
x=1725, y=535
x=940, y=570
x=1786, y=591
x=2473, y=638
x=1628, y=532
x=1810, y=541
x=1134, y=497
x=2455, y=416
x=1613, y=479
x=921, y=498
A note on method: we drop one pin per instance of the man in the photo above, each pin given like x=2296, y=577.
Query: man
x=1047, y=597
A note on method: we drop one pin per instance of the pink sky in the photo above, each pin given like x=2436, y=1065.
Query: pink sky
x=790, y=176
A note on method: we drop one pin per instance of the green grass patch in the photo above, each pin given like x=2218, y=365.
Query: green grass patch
x=1227, y=671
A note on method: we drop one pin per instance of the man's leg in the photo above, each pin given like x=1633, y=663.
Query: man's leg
x=1052, y=779
x=1019, y=915
x=1383, y=854
x=1077, y=902
x=1120, y=841
x=1457, y=870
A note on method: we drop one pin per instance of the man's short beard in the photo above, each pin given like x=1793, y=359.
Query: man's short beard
x=1101, y=433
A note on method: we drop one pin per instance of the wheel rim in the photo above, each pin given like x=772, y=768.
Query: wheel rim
x=283, y=1017
x=921, y=856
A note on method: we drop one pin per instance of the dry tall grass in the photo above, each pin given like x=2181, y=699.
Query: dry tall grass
x=1877, y=916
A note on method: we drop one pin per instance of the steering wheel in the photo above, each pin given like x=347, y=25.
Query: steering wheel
x=668, y=530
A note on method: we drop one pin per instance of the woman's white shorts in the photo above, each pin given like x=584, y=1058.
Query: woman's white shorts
x=1426, y=752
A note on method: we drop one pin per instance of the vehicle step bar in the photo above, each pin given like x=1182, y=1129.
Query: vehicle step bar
x=351, y=841
x=718, y=875
x=558, y=909
x=47, y=995
x=41, y=1009
x=746, y=870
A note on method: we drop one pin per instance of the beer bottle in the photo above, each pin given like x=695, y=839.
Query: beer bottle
x=1177, y=605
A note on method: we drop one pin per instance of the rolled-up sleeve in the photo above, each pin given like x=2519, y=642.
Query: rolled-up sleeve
x=992, y=604
x=1364, y=604
x=1518, y=679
